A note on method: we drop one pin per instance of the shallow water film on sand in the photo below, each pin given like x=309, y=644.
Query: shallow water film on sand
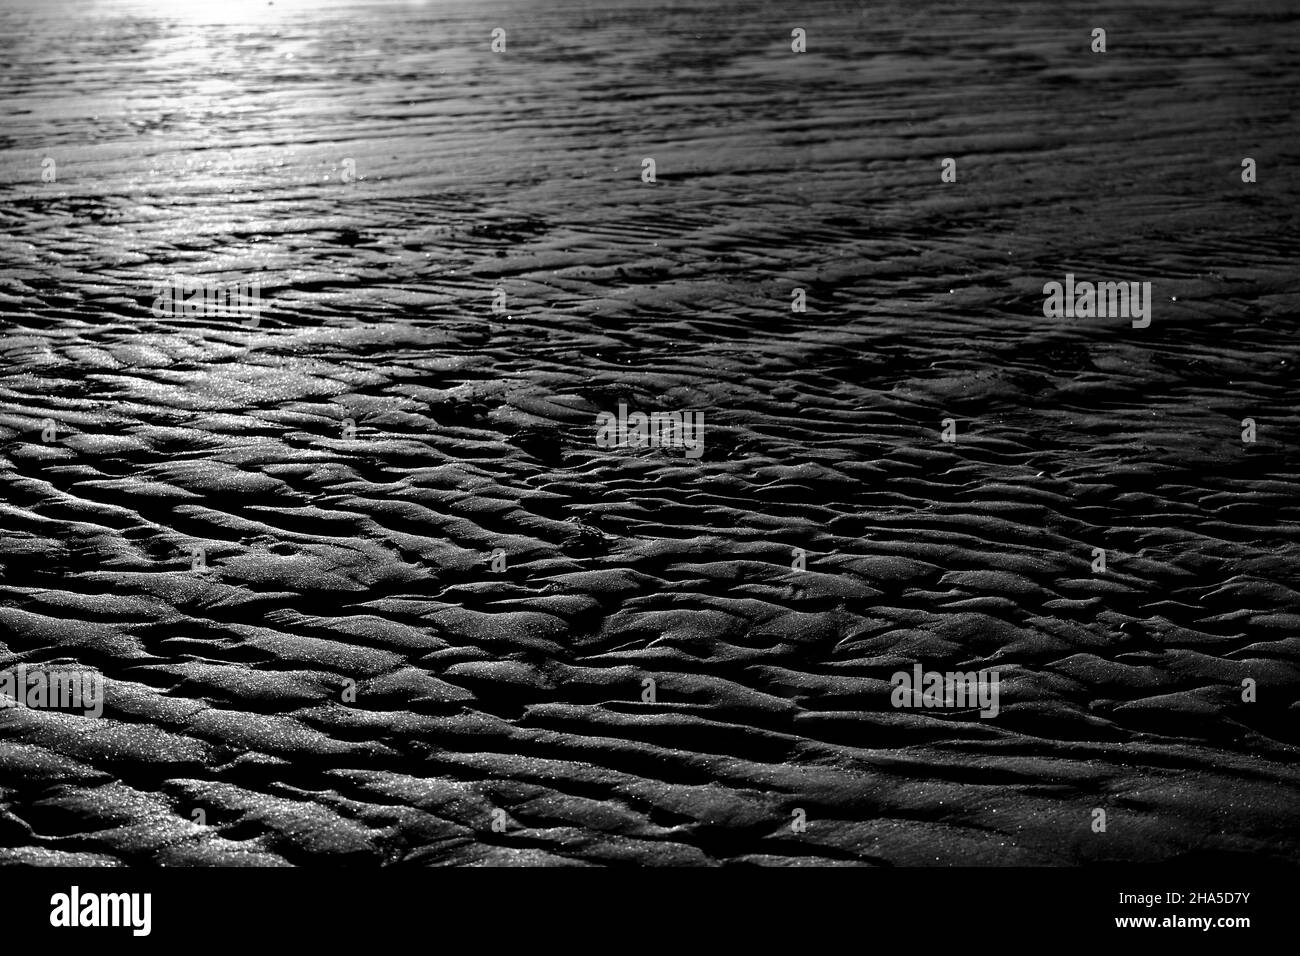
x=626, y=432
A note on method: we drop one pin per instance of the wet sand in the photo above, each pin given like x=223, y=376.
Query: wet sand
x=348, y=679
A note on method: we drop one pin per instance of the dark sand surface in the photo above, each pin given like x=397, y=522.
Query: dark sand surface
x=212, y=144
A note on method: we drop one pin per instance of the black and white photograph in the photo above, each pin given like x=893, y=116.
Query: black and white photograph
x=644, y=435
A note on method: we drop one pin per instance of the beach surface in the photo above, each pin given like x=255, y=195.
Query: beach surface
x=364, y=588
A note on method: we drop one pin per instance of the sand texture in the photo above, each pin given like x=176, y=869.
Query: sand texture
x=347, y=679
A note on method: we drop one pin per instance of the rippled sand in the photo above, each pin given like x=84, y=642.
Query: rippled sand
x=215, y=144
